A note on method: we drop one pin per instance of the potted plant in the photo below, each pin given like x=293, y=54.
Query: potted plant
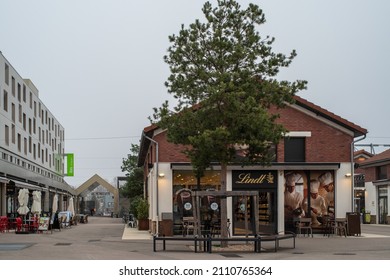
x=143, y=214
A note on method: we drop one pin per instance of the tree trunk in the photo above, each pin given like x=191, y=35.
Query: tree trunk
x=224, y=232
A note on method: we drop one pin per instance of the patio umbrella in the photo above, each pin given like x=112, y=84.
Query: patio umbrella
x=36, y=206
x=71, y=206
x=23, y=201
x=55, y=204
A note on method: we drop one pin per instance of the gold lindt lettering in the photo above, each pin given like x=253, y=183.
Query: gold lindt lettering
x=245, y=178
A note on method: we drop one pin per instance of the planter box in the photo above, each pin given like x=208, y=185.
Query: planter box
x=143, y=224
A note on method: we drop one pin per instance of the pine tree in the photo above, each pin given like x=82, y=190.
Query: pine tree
x=224, y=78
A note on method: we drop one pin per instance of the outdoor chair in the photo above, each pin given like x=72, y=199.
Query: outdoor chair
x=132, y=221
x=20, y=226
x=4, y=225
x=73, y=221
x=216, y=228
x=304, y=226
x=188, y=224
x=33, y=227
x=340, y=226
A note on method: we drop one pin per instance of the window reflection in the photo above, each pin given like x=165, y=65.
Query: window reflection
x=184, y=182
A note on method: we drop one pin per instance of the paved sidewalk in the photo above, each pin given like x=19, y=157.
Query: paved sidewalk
x=105, y=238
x=135, y=234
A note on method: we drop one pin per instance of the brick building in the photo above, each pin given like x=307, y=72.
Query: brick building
x=316, y=154
x=376, y=170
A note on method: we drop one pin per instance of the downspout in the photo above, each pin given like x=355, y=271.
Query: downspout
x=156, y=174
x=353, y=170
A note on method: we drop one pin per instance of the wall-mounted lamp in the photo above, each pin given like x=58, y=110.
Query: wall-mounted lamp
x=161, y=175
x=348, y=175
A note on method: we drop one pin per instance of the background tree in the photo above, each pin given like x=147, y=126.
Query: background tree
x=133, y=189
x=223, y=76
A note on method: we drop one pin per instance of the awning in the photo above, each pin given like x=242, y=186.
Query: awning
x=380, y=183
x=26, y=185
x=4, y=180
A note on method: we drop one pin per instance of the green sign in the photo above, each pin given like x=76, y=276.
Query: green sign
x=69, y=164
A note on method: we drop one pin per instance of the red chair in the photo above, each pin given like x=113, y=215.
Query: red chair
x=4, y=225
x=33, y=227
x=20, y=226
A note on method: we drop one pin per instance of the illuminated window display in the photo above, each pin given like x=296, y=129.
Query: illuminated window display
x=308, y=194
x=184, y=182
x=263, y=181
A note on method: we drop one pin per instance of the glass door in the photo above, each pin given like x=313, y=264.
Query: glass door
x=267, y=212
x=382, y=210
x=243, y=216
x=382, y=205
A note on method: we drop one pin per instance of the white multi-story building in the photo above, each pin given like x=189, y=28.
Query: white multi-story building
x=31, y=144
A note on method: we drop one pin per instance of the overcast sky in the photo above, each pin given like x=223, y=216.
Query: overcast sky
x=98, y=64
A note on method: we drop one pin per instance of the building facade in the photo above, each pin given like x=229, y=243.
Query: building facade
x=31, y=145
x=316, y=156
x=376, y=170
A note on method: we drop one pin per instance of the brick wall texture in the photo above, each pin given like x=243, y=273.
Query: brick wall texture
x=326, y=144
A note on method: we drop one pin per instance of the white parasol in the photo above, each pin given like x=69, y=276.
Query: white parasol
x=71, y=206
x=36, y=206
x=23, y=201
x=55, y=203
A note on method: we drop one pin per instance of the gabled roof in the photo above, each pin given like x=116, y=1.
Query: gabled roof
x=145, y=143
x=379, y=159
x=299, y=101
x=93, y=183
x=357, y=130
x=362, y=155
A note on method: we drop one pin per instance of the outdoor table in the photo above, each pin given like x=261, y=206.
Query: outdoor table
x=29, y=222
x=11, y=223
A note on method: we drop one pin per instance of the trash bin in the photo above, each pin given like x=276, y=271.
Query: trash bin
x=353, y=223
x=166, y=225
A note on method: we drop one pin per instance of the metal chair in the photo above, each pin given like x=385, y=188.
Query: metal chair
x=188, y=224
x=340, y=226
x=132, y=221
x=303, y=225
x=328, y=225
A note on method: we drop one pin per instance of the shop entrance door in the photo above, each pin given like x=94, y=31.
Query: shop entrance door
x=267, y=214
x=382, y=219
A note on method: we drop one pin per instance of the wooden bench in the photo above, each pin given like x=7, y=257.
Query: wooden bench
x=208, y=241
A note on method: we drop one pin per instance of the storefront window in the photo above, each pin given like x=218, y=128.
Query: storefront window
x=184, y=183
x=360, y=201
x=308, y=194
x=265, y=183
x=12, y=203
